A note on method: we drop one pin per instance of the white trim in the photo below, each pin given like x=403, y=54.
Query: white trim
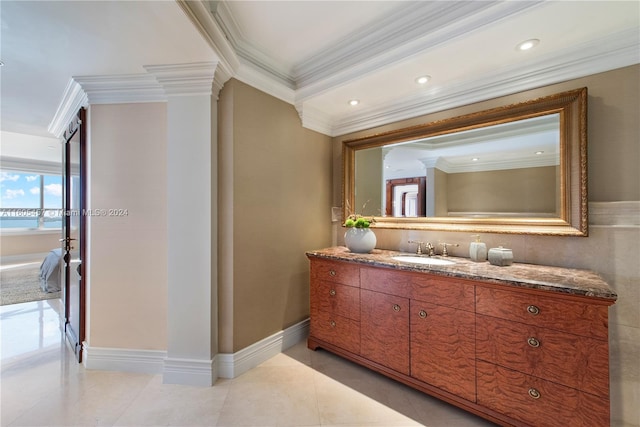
x=73, y=98
x=249, y=74
x=233, y=365
x=193, y=372
x=617, y=51
x=124, y=359
x=121, y=89
x=184, y=79
x=620, y=214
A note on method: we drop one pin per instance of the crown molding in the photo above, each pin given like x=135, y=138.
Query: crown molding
x=617, y=51
x=161, y=81
x=184, y=79
x=247, y=54
x=124, y=88
x=200, y=13
x=247, y=73
x=73, y=98
x=315, y=120
x=419, y=27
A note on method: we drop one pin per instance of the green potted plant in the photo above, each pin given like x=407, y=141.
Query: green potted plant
x=359, y=237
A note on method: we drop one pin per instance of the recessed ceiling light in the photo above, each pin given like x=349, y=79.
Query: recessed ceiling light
x=539, y=152
x=475, y=159
x=527, y=44
x=354, y=102
x=423, y=79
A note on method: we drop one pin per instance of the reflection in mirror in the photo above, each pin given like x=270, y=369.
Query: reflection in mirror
x=510, y=169
x=520, y=169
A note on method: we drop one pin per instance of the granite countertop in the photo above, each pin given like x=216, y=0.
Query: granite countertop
x=557, y=279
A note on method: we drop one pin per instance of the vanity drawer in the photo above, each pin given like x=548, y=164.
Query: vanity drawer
x=589, y=320
x=392, y=282
x=339, y=272
x=455, y=293
x=567, y=359
x=426, y=287
x=538, y=402
x=337, y=330
x=334, y=298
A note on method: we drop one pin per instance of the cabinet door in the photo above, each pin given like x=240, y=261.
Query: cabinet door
x=443, y=348
x=385, y=329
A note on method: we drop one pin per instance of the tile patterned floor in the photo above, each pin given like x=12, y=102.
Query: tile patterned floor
x=41, y=385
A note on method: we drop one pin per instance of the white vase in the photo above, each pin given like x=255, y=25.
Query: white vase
x=360, y=240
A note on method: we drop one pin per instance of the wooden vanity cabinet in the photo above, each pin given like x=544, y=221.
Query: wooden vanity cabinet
x=515, y=356
x=335, y=304
x=543, y=360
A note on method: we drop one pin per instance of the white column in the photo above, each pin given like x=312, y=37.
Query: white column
x=192, y=231
x=430, y=165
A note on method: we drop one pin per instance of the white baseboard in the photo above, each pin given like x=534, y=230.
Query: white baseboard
x=122, y=359
x=193, y=371
x=233, y=365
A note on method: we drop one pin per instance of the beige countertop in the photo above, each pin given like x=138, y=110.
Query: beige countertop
x=557, y=279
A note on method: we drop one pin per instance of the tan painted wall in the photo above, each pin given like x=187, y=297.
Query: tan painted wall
x=275, y=196
x=368, y=199
x=511, y=190
x=611, y=249
x=127, y=269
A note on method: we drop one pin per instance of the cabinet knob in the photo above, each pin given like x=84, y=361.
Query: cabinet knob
x=396, y=307
x=533, y=342
x=534, y=393
x=332, y=272
x=422, y=314
x=533, y=310
x=332, y=323
x=332, y=292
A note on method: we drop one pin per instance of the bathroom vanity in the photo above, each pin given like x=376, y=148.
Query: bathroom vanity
x=523, y=345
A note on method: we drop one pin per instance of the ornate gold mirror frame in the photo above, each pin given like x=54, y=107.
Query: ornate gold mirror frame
x=571, y=107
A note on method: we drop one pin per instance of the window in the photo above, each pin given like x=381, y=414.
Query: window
x=30, y=200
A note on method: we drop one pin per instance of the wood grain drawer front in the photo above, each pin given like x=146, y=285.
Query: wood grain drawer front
x=336, y=299
x=538, y=402
x=335, y=271
x=568, y=359
x=337, y=330
x=386, y=281
x=443, y=348
x=385, y=330
x=445, y=291
x=546, y=311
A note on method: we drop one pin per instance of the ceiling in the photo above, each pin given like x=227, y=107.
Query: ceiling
x=315, y=55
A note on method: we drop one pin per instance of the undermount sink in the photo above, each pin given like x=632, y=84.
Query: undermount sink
x=423, y=260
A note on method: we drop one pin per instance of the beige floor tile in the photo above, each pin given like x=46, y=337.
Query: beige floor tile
x=45, y=386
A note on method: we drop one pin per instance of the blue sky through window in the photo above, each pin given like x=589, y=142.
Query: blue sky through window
x=21, y=190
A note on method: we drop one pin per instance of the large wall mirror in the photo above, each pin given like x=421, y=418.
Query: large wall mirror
x=518, y=168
